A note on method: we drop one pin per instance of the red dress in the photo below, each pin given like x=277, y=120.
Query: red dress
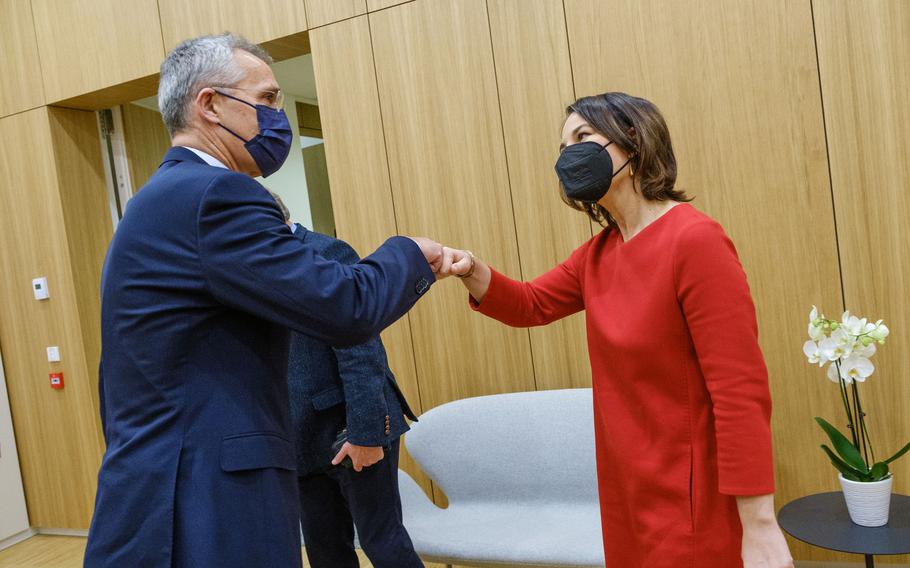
x=681, y=401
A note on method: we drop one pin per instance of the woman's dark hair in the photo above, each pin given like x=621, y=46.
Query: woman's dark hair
x=637, y=127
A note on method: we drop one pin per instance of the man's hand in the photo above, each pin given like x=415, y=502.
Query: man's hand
x=362, y=456
x=432, y=251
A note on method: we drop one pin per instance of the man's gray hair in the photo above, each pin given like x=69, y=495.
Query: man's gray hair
x=195, y=64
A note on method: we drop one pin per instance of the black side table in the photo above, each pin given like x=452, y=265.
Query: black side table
x=822, y=520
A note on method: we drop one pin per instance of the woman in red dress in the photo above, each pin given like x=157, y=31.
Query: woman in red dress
x=681, y=401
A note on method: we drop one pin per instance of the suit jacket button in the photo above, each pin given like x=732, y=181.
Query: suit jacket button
x=422, y=286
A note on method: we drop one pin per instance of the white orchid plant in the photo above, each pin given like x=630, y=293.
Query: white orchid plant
x=847, y=347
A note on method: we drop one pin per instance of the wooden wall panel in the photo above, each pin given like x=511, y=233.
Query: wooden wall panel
x=20, y=70
x=865, y=75
x=322, y=12
x=146, y=140
x=374, y=5
x=534, y=77
x=359, y=173
x=739, y=88
x=86, y=45
x=58, y=434
x=257, y=21
x=449, y=180
x=86, y=215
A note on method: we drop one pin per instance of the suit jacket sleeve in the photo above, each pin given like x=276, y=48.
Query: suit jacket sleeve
x=363, y=371
x=252, y=262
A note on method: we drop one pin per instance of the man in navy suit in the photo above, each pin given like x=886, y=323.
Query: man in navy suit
x=350, y=389
x=202, y=281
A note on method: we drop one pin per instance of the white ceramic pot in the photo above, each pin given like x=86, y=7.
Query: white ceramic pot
x=868, y=503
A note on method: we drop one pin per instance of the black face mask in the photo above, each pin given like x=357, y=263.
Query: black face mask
x=586, y=171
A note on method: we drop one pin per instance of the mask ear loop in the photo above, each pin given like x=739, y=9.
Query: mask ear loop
x=240, y=101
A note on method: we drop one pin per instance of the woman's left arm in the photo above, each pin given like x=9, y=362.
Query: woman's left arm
x=764, y=544
x=715, y=298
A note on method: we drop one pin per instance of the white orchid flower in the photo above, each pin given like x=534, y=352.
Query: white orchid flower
x=853, y=325
x=813, y=314
x=832, y=375
x=880, y=332
x=866, y=351
x=815, y=331
x=838, y=346
x=857, y=368
x=810, y=348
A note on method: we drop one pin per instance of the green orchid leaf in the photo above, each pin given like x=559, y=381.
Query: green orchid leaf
x=900, y=452
x=879, y=471
x=850, y=476
x=848, y=471
x=844, y=447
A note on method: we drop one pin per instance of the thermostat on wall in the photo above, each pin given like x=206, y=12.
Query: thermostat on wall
x=39, y=287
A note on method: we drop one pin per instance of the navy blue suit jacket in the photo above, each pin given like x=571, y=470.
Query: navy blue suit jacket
x=201, y=284
x=336, y=387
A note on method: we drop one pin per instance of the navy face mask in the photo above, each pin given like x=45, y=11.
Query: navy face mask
x=586, y=171
x=269, y=148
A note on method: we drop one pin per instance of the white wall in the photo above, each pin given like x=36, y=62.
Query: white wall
x=13, y=515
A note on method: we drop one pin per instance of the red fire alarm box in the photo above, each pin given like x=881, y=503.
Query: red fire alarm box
x=56, y=380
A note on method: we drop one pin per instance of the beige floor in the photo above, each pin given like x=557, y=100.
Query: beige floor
x=44, y=551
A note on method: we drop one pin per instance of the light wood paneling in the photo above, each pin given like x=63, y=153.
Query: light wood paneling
x=86, y=45
x=58, y=434
x=865, y=74
x=447, y=164
x=358, y=171
x=374, y=5
x=257, y=21
x=44, y=551
x=317, y=185
x=738, y=86
x=322, y=12
x=20, y=69
x=534, y=76
x=86, y=215
x=121, y=93
x=146, y=141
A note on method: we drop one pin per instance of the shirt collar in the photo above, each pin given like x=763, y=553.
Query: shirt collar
x=207, y=158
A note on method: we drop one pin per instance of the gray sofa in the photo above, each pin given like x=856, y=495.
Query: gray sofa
x=518, y=470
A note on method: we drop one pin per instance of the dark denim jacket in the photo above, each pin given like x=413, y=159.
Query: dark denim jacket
x=333, y=388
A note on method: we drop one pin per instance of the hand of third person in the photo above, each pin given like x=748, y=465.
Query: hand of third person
x=361, y=456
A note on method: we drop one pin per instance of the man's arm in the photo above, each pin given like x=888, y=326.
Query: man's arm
x=252, y=262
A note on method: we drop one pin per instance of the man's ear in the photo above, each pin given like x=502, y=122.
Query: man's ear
x=206, y=106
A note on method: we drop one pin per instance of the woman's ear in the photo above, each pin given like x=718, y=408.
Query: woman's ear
x=631, y=133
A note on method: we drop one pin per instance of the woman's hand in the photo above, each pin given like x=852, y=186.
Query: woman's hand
x=472, y=271
x=764, y=545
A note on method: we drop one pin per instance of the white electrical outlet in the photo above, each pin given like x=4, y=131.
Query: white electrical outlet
x=39, y=287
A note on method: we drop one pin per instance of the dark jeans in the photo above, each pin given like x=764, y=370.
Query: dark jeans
x=332, y=503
